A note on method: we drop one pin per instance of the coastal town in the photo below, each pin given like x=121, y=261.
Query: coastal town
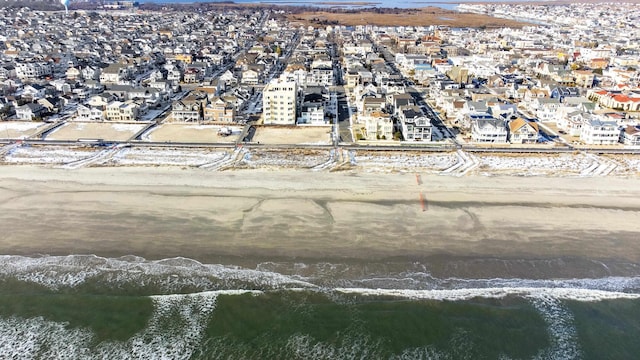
x=258, y=87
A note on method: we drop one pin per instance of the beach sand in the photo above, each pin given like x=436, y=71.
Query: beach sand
x=161, y=212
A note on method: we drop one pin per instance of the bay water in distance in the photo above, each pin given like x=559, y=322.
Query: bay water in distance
x=90, y=307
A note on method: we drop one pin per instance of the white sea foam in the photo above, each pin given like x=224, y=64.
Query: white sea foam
x=167, y=275
x=494, y=293
x=349, y=347
x=563, y=335
x=424, y=353
x=611, y=283
x=38, y=338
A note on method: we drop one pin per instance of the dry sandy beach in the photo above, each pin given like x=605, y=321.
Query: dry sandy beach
x=300, y=214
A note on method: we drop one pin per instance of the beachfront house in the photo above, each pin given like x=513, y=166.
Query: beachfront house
x=522, y=131
x=600, y=132
x=415, y=126
x=189, y=109
x=377, y=126
x=30, y=111
x=631, y=135
x=487, y=129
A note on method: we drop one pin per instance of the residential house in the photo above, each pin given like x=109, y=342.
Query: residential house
x=189, y=109
x=113, y=74
x=631, y=135
x=73, y=73
x=564, y=92
x=250, y=77
x=219, y=110
x=33, y=92
x=600, y=132
x=122, y=111
x=89, y=113
x=321, y=73
x=584, y=78
x=395, y=102
x=377, y=126
x=33, y=70
x=312, y=111
x=522, y=131
x=30, y=111
x=546, y=109
x=101, y=101
x=488, y=130
x=91, y=72
x=193, y=75
x=53, y=105
x=370, y=104
x=415, y=126
x=571, y=121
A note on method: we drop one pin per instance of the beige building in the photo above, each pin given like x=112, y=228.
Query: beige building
x=219, y=110
x=122, y=111
x=378, y=126
x=279, y=103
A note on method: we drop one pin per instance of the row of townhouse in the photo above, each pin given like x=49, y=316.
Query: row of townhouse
x=487, y=129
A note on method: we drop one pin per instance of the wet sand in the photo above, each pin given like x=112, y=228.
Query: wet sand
x=300, y=214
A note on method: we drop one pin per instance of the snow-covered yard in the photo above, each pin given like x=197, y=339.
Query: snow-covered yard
x=287, y=159
x=525, y=164
x=162, y=156
x=396, y=161
x=48, y=155
x=576, y=164
x=19, y=129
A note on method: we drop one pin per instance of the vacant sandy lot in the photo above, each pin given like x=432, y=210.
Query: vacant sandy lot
x=191, y=133
x=19, y=129
x=293, y=135
x=91, y=130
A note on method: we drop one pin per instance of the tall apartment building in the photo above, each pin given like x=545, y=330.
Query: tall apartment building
x=279, y=103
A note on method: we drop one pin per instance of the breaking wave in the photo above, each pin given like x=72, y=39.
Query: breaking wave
x=165, y=276
x=43, y=339
x=189, y=291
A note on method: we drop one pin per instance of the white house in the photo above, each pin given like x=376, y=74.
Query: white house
x=89, y=113
x=600, y=132
x=250, y=77
x=488, y=130
x=415, y=126
x=29, y=111
x=378, y=126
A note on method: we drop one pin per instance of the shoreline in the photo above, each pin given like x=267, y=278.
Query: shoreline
x=252, y=216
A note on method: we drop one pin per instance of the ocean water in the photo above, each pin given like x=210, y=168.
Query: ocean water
x=90, y=307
